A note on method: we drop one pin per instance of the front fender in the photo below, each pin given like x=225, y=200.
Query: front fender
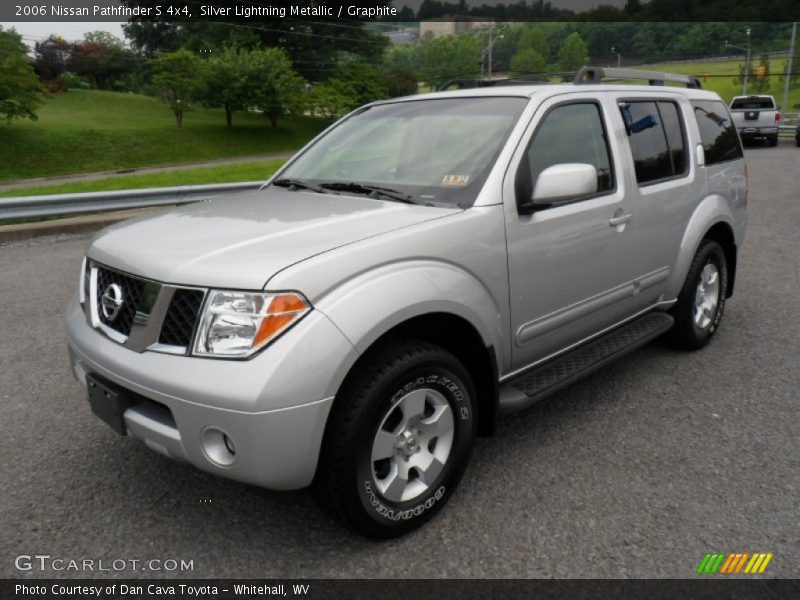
x=712, y=210
x=369, y=305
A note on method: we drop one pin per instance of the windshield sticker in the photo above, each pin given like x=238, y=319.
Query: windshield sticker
x=457, y=180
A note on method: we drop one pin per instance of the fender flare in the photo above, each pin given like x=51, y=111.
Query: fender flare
x=372, y=303
x=711, y=211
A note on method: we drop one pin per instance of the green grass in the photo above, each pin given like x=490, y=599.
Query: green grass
x=721, y=75
x=255, y=171
x=86, y=131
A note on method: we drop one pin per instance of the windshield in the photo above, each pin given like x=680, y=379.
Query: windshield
x=436, y=152
x=753, y=103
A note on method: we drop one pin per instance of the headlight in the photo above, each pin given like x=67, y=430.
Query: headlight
x=238, y=324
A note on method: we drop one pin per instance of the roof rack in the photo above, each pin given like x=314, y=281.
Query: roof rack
x=529, y=79
x=598, y=74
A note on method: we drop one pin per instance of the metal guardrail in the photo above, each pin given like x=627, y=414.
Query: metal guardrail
x=68, y=204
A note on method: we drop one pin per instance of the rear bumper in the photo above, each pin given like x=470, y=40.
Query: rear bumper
x=746, y=132
x=276, y=427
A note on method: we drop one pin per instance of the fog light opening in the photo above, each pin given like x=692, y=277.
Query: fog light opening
x=218, y=446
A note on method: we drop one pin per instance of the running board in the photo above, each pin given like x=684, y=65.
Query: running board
x=532, y=386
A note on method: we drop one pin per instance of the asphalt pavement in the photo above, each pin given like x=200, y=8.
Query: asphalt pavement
x=636, y=471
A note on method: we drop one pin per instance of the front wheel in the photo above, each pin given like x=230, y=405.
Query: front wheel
x=398, y=440
x=701, y=302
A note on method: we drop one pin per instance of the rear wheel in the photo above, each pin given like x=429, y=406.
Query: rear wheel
x=773, y=140
x=701, y=302
x=399, y=439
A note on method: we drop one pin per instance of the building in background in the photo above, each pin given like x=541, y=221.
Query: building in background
x=451, y=25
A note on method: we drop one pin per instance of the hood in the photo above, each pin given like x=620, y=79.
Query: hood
x=241, y=241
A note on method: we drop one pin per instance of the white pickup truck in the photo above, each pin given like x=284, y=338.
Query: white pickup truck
x=756, y=117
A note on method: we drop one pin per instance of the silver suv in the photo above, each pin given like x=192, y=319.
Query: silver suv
x=422, y=267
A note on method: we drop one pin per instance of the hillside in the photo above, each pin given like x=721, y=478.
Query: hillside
x=718, y=76
x=85, y=131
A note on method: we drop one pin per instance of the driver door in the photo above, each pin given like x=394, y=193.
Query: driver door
x=572, y=264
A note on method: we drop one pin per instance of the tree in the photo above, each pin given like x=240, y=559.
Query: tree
x=20, y=90
x=400, y=82
x=532, y=51
x=52, y=57
x=228, y=83
x=450, y=57
x=103, y=59
x=573, y=54
x=330, y=99
x=757, y=76
x=534, y=37
x=760, y=78
x=526, y=61
x=313, y=45
x=103, y=38
x=181, y=77
x=277, y=89
x=365, y=83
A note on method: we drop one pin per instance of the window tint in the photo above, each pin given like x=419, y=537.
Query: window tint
x=648, y=142
x=571, y=133
x=674, y=131
x=655, y=135
x=720, y=141
x=753, y=102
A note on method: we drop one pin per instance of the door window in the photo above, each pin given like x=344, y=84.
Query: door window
x=569, y=133
x=656, y=139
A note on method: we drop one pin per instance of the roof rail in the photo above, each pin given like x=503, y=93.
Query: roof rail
x=527, y=79
x=598, y=74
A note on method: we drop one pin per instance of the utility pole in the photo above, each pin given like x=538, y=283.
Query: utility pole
x=491, y=27
x=789, y=66
x=746, y=65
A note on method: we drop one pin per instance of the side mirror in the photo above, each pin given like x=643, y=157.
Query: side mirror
x=564, y=182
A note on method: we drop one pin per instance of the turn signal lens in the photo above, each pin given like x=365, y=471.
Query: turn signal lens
x=238, y=324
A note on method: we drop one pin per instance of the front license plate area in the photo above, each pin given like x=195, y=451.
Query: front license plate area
x=108, y=402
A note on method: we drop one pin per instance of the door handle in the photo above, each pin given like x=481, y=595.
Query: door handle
x=619, y=219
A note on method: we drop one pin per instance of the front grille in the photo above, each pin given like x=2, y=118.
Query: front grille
x=181, y=318
x=137, y=299
x=133, y=290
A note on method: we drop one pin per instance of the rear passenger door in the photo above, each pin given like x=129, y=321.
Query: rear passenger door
x=663, y=181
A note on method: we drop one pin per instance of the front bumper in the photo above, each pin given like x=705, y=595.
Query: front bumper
x=273, y=407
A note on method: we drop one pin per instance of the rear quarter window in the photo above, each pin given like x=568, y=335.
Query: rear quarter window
x=720, y=140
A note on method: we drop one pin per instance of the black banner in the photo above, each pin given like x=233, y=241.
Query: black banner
x=401, y=589
x=404, y=11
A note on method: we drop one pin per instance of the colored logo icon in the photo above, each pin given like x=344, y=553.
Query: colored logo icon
x=734, y=563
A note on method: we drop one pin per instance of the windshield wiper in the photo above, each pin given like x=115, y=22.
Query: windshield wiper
x=370, y=190
x=298, y=184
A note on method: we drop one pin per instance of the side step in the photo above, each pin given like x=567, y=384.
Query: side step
x=532, y=386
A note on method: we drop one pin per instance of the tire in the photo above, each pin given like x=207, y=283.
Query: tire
x=797, y=141
x=773, y=140
x=377, y=433
x=700, y=304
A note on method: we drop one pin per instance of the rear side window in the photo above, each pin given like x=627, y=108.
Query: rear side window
x=655, y=134
x=720, y=141
x=753, y=103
